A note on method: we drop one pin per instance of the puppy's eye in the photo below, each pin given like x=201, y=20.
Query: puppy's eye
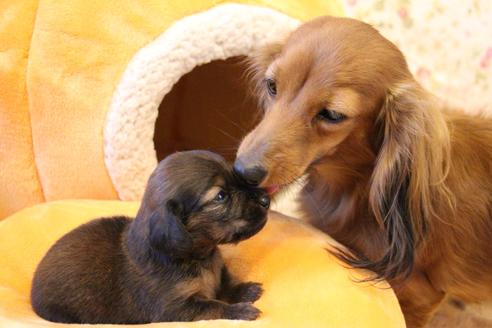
x=330, y=116
x=271, y=87
x=221, y=196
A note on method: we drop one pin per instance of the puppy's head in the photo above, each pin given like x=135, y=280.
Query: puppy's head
x=194, y=201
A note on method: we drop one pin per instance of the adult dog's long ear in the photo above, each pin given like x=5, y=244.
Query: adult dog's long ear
x=408, y=179
x=167, y=233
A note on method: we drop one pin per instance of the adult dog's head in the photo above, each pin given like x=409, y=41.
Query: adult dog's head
x=193, y=202
x=339, y=99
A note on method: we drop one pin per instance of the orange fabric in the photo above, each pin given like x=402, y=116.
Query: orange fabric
x=19, y=183
x=304, y=285
x=60, y=62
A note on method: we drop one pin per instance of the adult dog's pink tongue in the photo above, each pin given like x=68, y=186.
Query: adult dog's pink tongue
x=271, y=189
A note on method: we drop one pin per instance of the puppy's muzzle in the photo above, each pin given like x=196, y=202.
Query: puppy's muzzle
x=264, y=201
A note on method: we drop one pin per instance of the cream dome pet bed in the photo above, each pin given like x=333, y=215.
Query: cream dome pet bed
x=226, y=31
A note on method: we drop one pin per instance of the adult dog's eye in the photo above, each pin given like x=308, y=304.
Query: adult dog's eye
x=221, y=196
x=330, y=116
x=271, y=87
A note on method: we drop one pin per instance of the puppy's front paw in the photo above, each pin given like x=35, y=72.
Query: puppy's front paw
x=248, y=291
x=241, y=311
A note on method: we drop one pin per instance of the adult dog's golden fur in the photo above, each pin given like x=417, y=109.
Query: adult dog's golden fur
x=401, y=180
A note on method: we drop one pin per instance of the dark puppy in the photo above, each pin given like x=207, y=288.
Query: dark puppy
x=164, y=265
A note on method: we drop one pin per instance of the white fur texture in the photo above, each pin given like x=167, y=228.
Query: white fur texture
x=224, y=31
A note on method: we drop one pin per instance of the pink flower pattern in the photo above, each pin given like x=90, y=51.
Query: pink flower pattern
x=448, y=44
x=485, y=62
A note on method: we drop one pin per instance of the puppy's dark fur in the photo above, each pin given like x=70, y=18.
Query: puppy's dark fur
x=164, y=265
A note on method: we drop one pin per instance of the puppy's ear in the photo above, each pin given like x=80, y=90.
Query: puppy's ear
x=168, y=235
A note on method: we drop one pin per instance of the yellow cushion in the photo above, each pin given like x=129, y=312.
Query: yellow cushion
x=304, y=285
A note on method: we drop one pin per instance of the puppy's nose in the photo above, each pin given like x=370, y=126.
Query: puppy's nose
x=253, y=175
x=264, y=201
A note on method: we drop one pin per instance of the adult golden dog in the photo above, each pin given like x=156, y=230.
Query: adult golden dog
x=391, y=173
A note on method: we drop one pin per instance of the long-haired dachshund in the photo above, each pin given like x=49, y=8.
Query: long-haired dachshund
x=164, y=265
x=391, y=173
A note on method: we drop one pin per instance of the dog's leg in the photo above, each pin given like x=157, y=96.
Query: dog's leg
x=233, y=291
x=200, y=308
x=418, y=300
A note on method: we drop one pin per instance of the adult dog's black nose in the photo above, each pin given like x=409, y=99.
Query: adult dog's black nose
x=253, y=175
x=264, y=201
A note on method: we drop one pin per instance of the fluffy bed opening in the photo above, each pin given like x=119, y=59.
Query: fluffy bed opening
x=209, y=108
x=159, y=106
